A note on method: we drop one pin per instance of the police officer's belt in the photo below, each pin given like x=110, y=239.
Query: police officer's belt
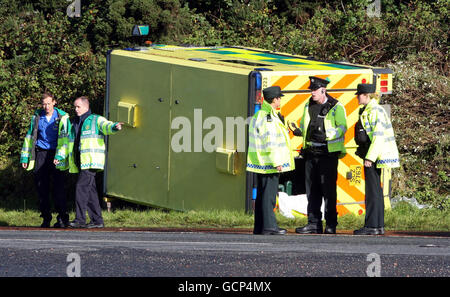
x=316, y=144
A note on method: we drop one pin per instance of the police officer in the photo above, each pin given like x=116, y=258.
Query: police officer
x=37, y=154
x=82, y=150
x=269, y=154
x=376, y=146
x=323, y=126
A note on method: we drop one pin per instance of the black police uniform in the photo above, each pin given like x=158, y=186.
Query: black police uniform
x=320, y=167
x=373, y=192
x=374, y=200
x=320, y=171
x=267, y=188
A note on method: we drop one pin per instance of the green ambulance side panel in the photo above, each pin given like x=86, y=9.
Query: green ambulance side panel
x=137, y=165
x=206, y=96
x=142, y=166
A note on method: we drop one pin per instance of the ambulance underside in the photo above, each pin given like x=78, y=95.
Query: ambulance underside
x=185, y=109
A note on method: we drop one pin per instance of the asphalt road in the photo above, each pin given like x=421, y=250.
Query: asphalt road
x=48, y=253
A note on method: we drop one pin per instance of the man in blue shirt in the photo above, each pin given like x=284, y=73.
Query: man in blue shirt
x=37, y=154
x=47, y=130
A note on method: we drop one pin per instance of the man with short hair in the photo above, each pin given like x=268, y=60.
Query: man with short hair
x=323, y=126
x=269, y=154
x=82, y=151
x=37, y=154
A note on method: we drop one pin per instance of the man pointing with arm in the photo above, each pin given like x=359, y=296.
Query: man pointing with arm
x=82, y=150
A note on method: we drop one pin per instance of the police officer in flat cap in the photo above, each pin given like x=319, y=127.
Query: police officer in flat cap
x=269, y=154
x=322, y=126
x=377, y=148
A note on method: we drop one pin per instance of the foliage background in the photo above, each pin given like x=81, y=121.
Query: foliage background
x=42, y=49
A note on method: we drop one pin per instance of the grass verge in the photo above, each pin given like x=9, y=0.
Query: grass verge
x=403, y=217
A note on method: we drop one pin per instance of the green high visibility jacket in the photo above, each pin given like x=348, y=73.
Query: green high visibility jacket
x=28, y=152
x=268, y=143
x=383, y=148
x=92, y=144
x=335, y=124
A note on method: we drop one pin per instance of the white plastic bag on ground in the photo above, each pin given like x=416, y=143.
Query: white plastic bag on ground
x=294, y=206
x=412, y=201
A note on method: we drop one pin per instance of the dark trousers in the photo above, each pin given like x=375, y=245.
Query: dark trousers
x=320, y=181
x=265, y=202
x=374, y=197
x=44, y=170
x=86, y=198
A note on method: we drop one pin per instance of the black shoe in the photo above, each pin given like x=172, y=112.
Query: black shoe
x=369, y=231
x=309, y=229
x=59, y=224
x=62, y=221
x=94, y=225
x=46, y=221
x=75, y=224
x=278, y=231
x=330, y=230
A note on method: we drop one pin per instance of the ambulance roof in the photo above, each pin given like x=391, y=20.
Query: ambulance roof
x=248, y=58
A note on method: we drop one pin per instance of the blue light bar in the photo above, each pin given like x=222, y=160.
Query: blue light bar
x=258, y=80
x=140, y=30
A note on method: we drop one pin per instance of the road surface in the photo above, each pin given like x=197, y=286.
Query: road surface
x=42, y=253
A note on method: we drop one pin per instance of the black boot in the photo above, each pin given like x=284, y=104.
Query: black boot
x=369, y=231
x=310, y=229
x=330, y=230
x=278, y=231
x=62, y=221
x=46, y=221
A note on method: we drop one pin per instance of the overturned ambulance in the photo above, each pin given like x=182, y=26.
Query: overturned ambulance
x=186, y=111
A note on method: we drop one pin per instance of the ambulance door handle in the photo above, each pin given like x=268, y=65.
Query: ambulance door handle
x=160, y=99
x=177, y=101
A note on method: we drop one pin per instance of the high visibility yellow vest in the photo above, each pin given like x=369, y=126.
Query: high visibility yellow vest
x=383, y=148
x=92, y=144
x=27, y=154
x=268, y=143
x=335, y=127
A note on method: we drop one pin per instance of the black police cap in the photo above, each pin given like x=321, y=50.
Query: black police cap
x=317, y=82
x=272, y=92
x=365, y=89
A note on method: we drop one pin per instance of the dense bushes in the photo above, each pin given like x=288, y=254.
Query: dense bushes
x=42, y=49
